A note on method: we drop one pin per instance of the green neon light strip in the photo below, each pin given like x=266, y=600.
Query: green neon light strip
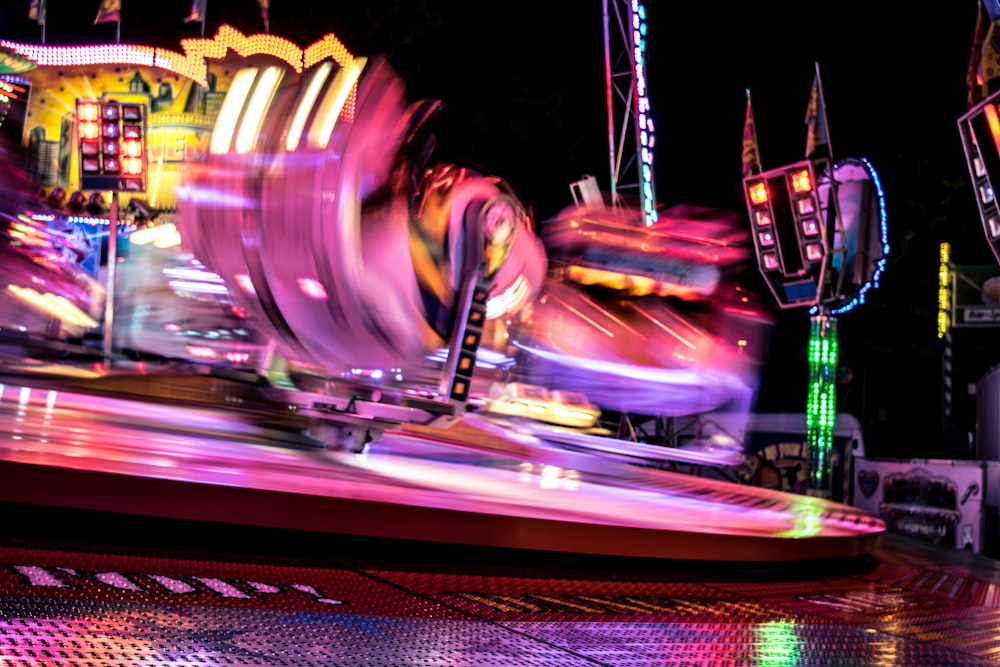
x=821, y=404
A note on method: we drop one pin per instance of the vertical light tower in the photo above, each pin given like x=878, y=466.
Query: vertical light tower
x=631, y=137
x=821, y=404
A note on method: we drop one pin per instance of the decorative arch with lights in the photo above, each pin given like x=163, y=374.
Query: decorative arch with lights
x=183, y=90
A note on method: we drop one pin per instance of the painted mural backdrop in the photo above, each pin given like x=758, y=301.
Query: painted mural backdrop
x=180, y=119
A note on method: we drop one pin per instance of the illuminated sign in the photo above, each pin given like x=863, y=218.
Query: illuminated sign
x=112, y=143
x=944, y=290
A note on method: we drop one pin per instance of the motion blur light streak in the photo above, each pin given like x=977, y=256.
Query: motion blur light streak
x=305, y=105
x=53, y=304
x=232, y=107
x=253, y=114
x=333, y=103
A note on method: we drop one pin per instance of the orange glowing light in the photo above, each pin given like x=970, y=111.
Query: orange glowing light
x=88, y=130
x=88, y=111
x=132, y=148
x=801, y=181
x=132, y=165
x=993, y=121
x=758, y=193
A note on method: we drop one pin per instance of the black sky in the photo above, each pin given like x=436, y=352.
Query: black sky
x=522, y=85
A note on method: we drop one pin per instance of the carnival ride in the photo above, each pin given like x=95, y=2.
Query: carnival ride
x=304, y=271
x=323, y=250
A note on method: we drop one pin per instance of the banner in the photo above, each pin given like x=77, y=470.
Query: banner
x=36, y=12
x=751, y=152
x=817, y=135
x=110, y=11
x=197, y=11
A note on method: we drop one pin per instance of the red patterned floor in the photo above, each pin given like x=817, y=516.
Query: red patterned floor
x=87, y=589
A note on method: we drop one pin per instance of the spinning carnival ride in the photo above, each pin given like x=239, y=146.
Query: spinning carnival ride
x=354, y=253
x=375, y=287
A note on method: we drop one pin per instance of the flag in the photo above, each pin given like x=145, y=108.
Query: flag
x=751, y=154
x=989, y=63
x=972, y=76
x=110, y=11
x=817, y=135
x=264, y=6
x=36, y=12
x=197, y=11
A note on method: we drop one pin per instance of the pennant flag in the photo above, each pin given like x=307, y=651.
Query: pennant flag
x=36, y=12
x=972, y=76
x=110, y=11
x=989, y=63
x=264, y=6
x=817, y=135
x=197, y=11
x=751, y=153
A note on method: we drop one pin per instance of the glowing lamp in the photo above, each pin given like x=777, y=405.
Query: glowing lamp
x=763, y=218
x=758, y=193
x=801, y=181
x=88, y=111
x=88, y=130
x=770, y=261
x=131, y=166
x=810, y=227
x=814, y=252
x=766, y=239
x=132, y=148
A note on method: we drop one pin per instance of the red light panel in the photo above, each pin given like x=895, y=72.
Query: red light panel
x=131, y=112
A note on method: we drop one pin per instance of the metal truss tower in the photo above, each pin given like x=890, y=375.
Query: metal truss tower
x=631, y=136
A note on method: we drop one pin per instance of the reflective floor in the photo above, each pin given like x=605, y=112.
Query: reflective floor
x=138, y=533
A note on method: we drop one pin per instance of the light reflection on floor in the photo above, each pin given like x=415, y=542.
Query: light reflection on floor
x=532, y=491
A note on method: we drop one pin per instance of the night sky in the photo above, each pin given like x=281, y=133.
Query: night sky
x=522, y=84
